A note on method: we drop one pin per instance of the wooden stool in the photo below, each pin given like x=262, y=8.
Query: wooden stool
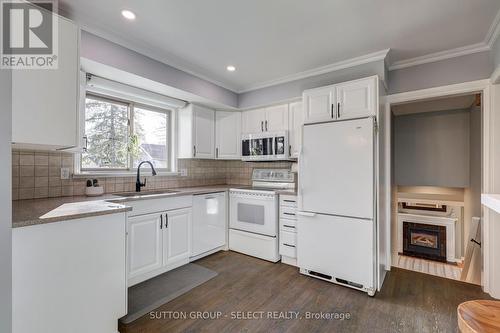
x=479, y=316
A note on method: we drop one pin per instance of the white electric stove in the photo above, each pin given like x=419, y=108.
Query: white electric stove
x=253, y=213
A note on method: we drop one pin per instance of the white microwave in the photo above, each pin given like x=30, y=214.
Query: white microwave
x=269, y=146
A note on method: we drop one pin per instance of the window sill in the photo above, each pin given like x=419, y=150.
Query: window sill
x=101, y=174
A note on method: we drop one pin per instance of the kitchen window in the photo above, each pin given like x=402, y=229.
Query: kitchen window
x=119, y=134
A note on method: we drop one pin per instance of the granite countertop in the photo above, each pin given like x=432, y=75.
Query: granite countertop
x=41, y=211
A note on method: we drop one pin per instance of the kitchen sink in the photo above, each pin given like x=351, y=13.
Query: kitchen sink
x=145, y=193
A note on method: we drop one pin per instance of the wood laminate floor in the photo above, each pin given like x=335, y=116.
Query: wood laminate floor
x=246, y=286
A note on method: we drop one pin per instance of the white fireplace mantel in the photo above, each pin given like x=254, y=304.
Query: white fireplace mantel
x=447, y=222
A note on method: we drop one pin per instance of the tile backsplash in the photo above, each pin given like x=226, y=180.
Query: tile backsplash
x=37, y=174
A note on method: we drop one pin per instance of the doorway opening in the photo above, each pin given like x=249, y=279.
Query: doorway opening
x=436, y=183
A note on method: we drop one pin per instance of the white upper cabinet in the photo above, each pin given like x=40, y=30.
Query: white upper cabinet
x=45, y=101
x=318, y=104
x=227, y=135
x=353, y=99
x=196, y=132
x=296, y=120
x=253, y=121
x=204, y=133
x=357, y=98
x=276, y=118
x=270, y=119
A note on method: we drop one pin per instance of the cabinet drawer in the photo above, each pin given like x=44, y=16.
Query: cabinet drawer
x=148, y=206
x=288, y=213
x=288, y=200
x=288, y=244
x=288, y=225
x=289, y=238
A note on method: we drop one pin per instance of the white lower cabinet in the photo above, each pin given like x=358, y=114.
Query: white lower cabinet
x=157, y=242
x=63, y=270
x=176, y=236
x=144, y=244
x=288, y=229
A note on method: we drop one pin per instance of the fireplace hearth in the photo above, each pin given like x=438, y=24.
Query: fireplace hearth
x=424, y=241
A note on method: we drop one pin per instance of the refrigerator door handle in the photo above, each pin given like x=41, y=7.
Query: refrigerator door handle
x=306, y=214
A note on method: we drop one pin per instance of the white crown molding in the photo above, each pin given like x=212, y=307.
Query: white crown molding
x=494, y=31
x=364, y=59
x=442, y=55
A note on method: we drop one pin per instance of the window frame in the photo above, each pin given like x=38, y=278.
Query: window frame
x=169, y=132
x=130, y=169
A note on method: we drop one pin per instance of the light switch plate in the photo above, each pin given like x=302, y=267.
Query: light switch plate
x=64, y=173
x=184, y=172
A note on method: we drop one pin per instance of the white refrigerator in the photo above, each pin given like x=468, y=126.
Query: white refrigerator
x=336, y=218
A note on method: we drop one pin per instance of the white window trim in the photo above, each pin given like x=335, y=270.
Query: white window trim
x=78, y=173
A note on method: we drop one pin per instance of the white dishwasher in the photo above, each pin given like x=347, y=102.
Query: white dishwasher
x=209, y=223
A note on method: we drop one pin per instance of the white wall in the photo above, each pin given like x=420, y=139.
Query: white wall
x=5, y=201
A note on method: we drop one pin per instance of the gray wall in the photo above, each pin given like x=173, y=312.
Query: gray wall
x=293, y=89
x=111, y=54
x=432, y=149
x=5, y=201
x=496, y=53
x=450, y=71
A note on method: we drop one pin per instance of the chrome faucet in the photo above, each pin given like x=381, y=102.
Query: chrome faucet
x=138, y=183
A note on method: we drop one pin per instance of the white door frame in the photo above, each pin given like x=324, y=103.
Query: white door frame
x=480, y=86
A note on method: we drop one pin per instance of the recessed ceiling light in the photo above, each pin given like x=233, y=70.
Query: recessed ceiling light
x=129, y=15
x=231, y=68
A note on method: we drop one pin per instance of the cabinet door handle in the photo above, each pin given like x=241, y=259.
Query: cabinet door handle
x=161, y=221
x=216, y=152
x=166, y=220
x=262, y=126
x=332, y=111
x=266, y=125
x=289, y=214
x=194, y=151
x=338, y=110
x=285, y=244
x=289, y=226
x=290, y=150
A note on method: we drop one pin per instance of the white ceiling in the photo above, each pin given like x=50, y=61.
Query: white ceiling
x=269, y=40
